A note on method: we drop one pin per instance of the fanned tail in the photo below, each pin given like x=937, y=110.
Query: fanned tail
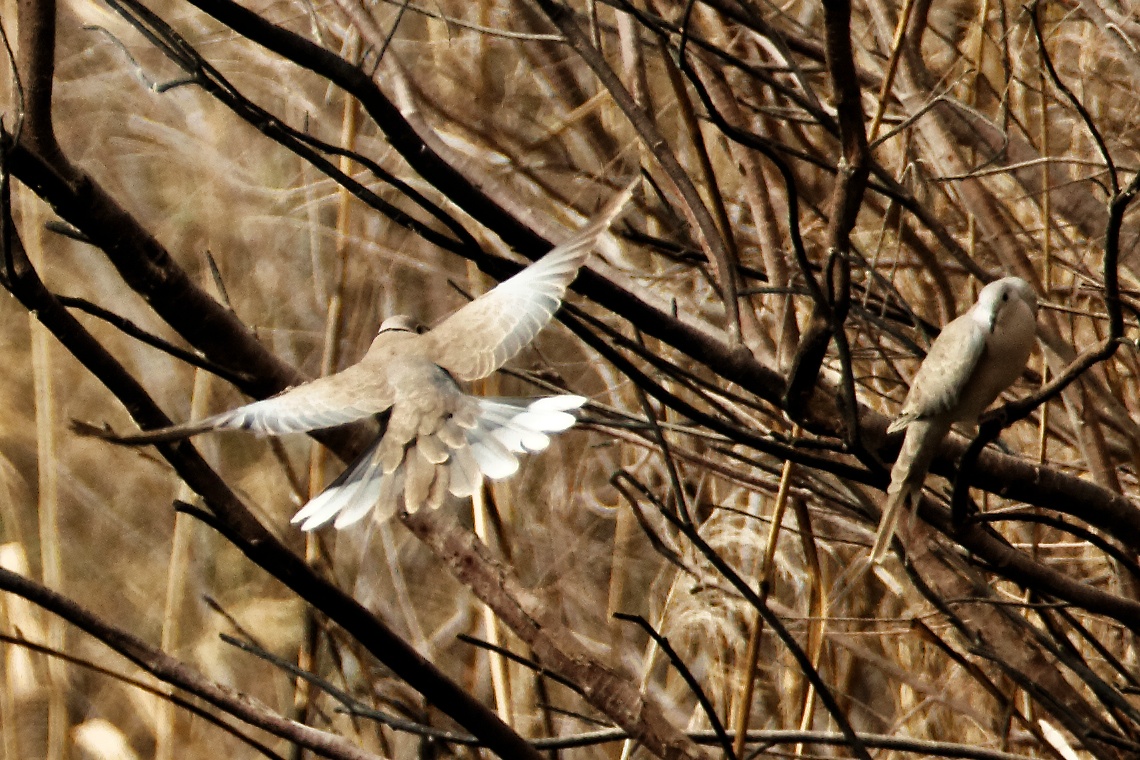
x=507, y=427
x=452, y=459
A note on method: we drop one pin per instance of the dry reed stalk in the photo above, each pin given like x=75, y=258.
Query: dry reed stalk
x=330, y=346
x=652, y=649
x=1046, y=280
x=16, y=614
x=9, y=735
x=500, y=676
x=166, y=735
x=761, y=570
x=500, y=672
x=330, y=358
x=505, y=690
x=51, y=549
x=892, y=69
x=624, y=532
x=177, y=581
x=817, y=611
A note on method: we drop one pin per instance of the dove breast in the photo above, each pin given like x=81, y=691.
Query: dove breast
x=975, y=358
x=1006, y=313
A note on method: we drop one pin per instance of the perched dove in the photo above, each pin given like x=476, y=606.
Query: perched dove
x=973, y=359
x=438, y=438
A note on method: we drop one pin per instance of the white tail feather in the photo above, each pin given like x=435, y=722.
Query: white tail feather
x=322, y=508
x=550, y=422
x=521, y=439
x=329, y=504
x=563, y=403
x=308, y=515
x=361, y=502
x=342, y=493
x=504, y=428
x=495, y=460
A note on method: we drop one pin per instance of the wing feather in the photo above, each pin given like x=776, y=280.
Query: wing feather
x=478, y=338
x=951, y=362
x=354, y=394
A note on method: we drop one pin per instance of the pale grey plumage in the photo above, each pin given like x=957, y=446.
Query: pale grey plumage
x=438, y=439
x=974, y=358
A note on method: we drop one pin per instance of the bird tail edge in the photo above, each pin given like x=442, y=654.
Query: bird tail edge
x=888, y=523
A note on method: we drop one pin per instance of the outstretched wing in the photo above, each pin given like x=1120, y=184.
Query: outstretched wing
x=354, y=394
x=476, y=340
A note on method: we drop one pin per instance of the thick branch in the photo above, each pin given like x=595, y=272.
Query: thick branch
x=554, y=646
x=36, y=68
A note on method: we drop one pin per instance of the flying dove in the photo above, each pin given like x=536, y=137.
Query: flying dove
x=438, y=439
x=973, y=359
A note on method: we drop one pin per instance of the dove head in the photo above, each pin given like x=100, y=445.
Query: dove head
x=1003, y=297
x=394, y=332
x=402, y=323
